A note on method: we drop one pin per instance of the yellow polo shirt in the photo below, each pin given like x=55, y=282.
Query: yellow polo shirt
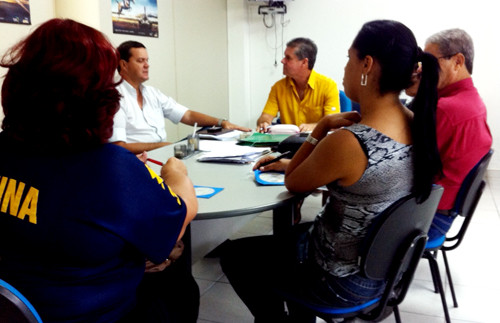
x=321, y=97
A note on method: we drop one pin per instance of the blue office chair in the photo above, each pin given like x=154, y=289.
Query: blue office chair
x=465, y=204
x=391, y=252
x=345, y=102
x=14, y=307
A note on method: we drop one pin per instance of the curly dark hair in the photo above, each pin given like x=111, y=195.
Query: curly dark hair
x=59, y=94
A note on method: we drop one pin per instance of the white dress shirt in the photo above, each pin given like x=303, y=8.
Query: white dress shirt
x=133, y=124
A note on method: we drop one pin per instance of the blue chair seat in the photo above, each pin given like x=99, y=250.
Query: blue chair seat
x=435, y=243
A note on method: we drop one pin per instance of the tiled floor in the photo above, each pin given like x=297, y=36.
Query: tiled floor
x=475, y=266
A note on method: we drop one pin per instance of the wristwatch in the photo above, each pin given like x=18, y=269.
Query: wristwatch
x=310, y=139
x=221, y=120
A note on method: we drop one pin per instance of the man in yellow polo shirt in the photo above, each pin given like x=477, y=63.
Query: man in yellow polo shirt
x=303, y=97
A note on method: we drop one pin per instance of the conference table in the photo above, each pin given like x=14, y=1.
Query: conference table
x=240, y=194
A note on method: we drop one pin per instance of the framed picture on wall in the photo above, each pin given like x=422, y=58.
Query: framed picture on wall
x=135, y=17
x=15, y=12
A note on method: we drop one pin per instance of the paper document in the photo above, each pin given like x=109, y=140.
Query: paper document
x=229, y=152
x=222, y=135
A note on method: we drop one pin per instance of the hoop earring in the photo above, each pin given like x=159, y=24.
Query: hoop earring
x=364, y=79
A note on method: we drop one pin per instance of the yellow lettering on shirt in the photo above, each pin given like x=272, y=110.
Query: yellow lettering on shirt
x=160, y=181
x=29, y=206
x=11, y=197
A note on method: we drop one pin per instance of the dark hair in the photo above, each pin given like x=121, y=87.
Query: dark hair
x=304, y=48
x=395, y=48
x=59, y=93
x=124, y=50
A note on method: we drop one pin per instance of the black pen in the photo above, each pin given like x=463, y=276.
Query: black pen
x=283, y=155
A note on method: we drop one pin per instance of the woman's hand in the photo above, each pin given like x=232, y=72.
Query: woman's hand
x=279, y=166
x=173, y=165
x=174, y=255
x=338, y=120
x=143, y=157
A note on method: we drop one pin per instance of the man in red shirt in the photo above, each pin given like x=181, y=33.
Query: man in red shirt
x=463, y=134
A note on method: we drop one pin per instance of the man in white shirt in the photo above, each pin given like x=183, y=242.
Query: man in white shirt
x=139, y=124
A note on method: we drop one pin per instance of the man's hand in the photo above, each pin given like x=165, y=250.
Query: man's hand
x=228, y=125
x=262, y=127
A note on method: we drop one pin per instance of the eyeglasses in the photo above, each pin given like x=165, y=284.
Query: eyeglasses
x=447, y=56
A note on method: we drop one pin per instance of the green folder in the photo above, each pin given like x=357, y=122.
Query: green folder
x=258, y=139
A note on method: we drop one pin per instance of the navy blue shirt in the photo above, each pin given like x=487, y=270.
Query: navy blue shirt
x=75, y=230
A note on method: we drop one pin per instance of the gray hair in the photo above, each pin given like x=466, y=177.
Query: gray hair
x=454, y=41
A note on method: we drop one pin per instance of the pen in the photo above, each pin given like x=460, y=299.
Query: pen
x=283, y=155
x=155, y=162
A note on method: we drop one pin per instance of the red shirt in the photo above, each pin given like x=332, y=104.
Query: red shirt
x=463, y=135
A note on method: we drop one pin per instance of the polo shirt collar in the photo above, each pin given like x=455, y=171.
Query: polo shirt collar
x=452, y=89
x=311, y=81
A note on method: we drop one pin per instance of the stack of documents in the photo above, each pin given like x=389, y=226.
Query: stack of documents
x=224, y=134
x=229, y=152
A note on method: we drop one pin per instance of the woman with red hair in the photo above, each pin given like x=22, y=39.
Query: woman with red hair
x=78, y=217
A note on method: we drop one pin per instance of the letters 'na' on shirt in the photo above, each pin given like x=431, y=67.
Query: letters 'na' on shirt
x=132, y=124
x=75, y=230
x=321, y=97
x=463, y=135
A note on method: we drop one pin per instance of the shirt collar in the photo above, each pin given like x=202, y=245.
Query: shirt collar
x=130, y=89
x=452, y=89
x=311, y=81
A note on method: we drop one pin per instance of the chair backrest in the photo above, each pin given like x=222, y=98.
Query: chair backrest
x=395, y=244
x=467, y=197
x=391, y=228
x=14, y=307
x=345, y=102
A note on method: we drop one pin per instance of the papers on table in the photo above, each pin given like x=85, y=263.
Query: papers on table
x=229, y=152
x=221, y=135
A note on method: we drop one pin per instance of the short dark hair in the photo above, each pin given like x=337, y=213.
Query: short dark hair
x=59, y=93
x=304, y=48
x=124, y=49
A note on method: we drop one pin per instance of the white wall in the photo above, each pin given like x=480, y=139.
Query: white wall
x=217, y=57
x=333, y=24
x=12, y=33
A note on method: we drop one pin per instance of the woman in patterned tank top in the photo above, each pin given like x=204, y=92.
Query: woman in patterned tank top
x=367, y=161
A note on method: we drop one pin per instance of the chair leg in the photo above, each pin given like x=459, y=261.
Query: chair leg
x=435, y=269
x=448, y=274
x=433, y=274
x=396, y=314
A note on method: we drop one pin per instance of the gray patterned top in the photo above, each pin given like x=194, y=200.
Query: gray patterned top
x=343, y=222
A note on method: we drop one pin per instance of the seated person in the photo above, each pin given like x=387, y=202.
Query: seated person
x=304, y=96
x=80, y=216
x=462, y=132
x=368, y=162
x=139, y=125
